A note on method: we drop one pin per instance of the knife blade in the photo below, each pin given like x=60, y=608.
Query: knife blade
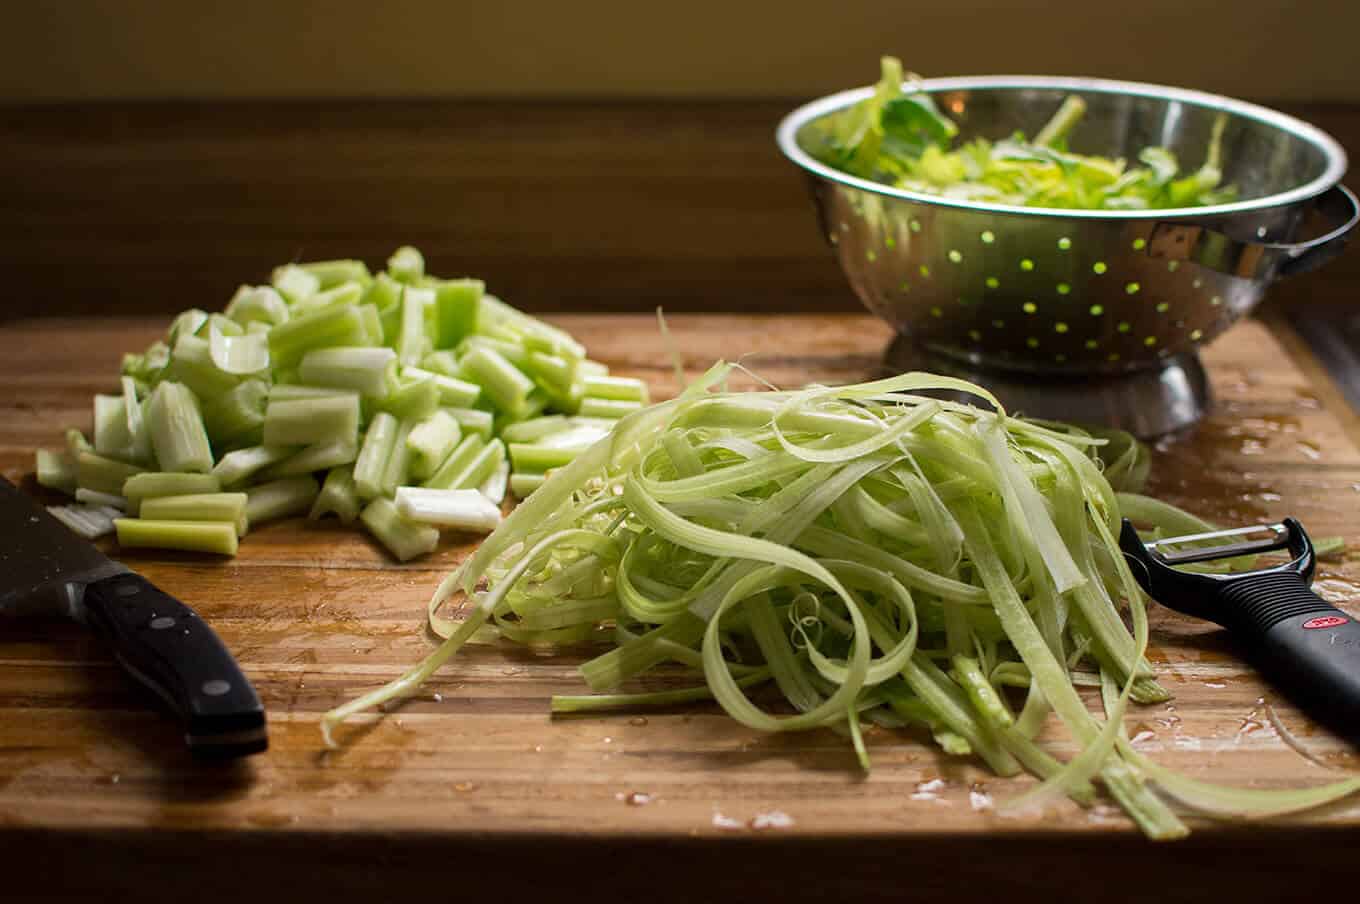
x=47, y=570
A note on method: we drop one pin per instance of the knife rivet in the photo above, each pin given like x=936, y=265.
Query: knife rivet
x=162, y=623
x=216, y=688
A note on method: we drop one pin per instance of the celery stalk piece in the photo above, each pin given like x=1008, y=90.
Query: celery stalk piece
x=257, y=304
x=589, y=368
x=317, y=457
x=514, y=352
x=153, y=484
x=412, y=342
x=139, y=447
x=493, y=488
x=535, y=429
x=76, y=442
x=541, y=457
x=242, y=464
x=430, y=442
x=237, y=417
x=371, y=464
x=97, y=499
x=453, y=392
x=338, y=496
x=397, y=468
x=371, y=323
x=364, y=370
x=332, y=273
x=191, y=363
x=522, y=484
x=456, y=462
x=457, y=301
x=403, y=538
x=607, y=408
x=406, y=264
x=292, y=392
x=56, y=470
x=340, y=295
x=480, y=467
x=186, y=323
x=103, y=475
x=503, y=383
x=465, y=510
x=413, y=399
x=280, y=498
x=309, y=421
x=554, y=373
x=194, y=536
x=473, y=421
x=331, y=326
x=240, y=355
x=228, y=507
x=442, y=361
x=178, y=437
x=111, y=436
x=623, y=389
x=88, y=521
x=294, y=283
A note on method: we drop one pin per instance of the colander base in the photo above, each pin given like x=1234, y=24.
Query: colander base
x=1147, y=403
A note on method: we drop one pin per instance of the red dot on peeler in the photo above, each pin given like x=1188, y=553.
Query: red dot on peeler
x=1326, y=621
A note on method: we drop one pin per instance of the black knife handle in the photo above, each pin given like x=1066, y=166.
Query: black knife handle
x=1305, y=645
x=165, y=645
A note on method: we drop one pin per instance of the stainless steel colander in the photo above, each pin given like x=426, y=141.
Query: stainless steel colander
x=1029, y=299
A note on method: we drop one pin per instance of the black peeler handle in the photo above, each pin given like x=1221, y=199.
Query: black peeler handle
x=1300, y=642
x=165, y=645
x=1303, y=644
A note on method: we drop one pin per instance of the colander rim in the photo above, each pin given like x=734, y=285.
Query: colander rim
x=786, y=135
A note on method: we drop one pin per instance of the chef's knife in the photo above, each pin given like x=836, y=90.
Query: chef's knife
x=45, y=569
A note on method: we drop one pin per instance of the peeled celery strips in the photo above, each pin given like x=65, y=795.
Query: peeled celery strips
x=404, y=538
x=192, y=536
x=872, y=553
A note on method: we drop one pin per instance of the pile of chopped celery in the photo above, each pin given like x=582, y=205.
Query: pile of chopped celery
x=899, y=137
x=835, y=556
x=407, y=402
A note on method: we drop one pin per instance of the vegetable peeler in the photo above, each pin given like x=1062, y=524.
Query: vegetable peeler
x=1303, y=644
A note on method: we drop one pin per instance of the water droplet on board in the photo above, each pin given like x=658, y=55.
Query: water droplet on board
x=725, y=822
x=438, y=698
x=979, y=799
x=639, y=721
x=774, y=819
x=929, y=790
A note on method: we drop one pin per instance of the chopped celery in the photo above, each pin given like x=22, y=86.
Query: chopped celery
x=430, y=442
x=456, y=462
x=228, y=507
x=398, y=466
x=257, y=304
x=242, y=464
x=56, y=470
x=192, y=536
x=280, y=498
x=473, y=420
x=607, y=408
x=239, y=355
x=88, y=521
x=457, y=301
x=412, y=342
x=97, y=499
x=371, y=464
x=413, y=399
x=317, y=457
x=405, y=539
x=466, y=510
x=332, y=273
x=364, y=370
x=103, y=475
x=178, y=436
x=338, y=496
x=191, y=363
x=494, y=486
x=480, y=467
x=624, y=389
x=294, y=283
x=111, y=436
x=406, y=264
x=343, y=294
x=290, y=342
x=307, y=421
x=541, y=457
x=453, y=392
x=237, y=417
x=524, y=483
x=154, y=484
x=292, y=392
x=535, y=429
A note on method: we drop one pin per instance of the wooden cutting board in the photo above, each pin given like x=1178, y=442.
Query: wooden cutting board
x=474, y=784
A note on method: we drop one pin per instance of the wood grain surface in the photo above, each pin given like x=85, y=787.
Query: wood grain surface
x=473, y=777
x=126, y=208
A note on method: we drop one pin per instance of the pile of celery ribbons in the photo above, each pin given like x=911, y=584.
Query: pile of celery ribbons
x=874, y=555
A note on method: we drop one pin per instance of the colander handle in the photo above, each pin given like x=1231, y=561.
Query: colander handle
x=1257, y=260
x=1340, y=206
